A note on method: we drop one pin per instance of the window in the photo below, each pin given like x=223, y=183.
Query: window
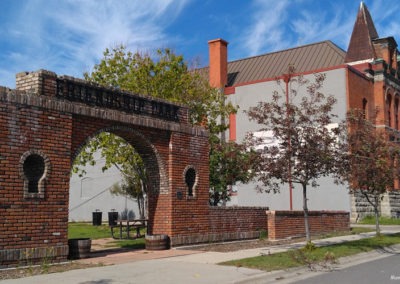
x=364, y=107
x=34, y=168
x=396, y=113
x=389, y=106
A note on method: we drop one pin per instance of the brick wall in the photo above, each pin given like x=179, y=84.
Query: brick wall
x=288, y=224
x=227, y=224
x=189, y=213
x=237, y=219
x=39, y=117
x=33, y=226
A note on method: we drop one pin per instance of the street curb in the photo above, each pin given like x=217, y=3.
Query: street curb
x=292, y=275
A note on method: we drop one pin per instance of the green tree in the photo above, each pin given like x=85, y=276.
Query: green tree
x=134, y=185
x=163, y=75
x=168, y=77
x=305, y=148
x=230, y=163
x=120, y=154
x=369, y=166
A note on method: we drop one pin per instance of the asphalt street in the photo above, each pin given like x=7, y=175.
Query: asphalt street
x=382, y=271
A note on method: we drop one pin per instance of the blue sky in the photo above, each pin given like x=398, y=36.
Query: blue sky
x=69, y=36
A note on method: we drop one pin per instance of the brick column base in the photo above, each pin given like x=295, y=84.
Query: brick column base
x=30, y=256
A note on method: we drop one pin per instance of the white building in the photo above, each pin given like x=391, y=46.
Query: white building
x=91, y=193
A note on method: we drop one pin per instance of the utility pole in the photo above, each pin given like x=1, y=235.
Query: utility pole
x=286, y=79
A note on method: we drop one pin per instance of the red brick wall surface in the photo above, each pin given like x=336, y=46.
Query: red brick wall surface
x=237, y=219
x=189, y=213
x=228, y=223
x=33, y=222
x=288, y=224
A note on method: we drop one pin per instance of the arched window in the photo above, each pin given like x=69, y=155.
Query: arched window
x=389, y=106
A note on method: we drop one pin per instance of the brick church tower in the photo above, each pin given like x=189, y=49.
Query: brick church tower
x=376, y=86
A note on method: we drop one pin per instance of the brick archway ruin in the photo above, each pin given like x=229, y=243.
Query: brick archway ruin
x=48, y=118
x=156, y=168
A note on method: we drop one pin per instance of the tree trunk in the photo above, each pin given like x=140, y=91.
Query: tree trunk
x=141, y=206
x=305, y=209
x=376, y=210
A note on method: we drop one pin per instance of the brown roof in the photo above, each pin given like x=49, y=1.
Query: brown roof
x=360, y=47
x=310, y=57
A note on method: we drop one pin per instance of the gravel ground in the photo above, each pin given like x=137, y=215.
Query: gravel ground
x=240, y=245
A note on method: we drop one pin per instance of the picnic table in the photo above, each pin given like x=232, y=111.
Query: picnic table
x=128, y=225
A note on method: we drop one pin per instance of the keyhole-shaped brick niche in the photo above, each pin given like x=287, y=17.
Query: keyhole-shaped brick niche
x=190, y=180
x=34, y=168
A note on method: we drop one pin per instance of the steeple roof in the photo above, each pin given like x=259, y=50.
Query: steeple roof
x=360, y=47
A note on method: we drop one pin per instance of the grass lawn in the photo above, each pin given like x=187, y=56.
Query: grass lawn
x=87, y=230
x=295, y=258
x=370, y=220
x=359, y=230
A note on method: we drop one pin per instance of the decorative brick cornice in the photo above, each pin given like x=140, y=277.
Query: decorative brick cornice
x=52, y=103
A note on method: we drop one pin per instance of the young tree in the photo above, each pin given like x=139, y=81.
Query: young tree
x=120, y=154
x=133, y=185
x=164, y=75
x=370, y=160
x=230, y=163
x=305, y=148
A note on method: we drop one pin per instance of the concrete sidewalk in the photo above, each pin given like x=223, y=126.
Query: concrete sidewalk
x=186, y=266
x=217, y=257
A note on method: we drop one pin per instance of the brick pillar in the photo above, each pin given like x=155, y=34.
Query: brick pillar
x=40, y=82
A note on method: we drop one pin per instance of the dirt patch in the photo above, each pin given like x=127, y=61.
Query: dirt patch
x=241, y=245
x=26, y=271
x=256, y=243
x=103, y=244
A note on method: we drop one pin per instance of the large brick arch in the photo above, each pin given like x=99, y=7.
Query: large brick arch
x=154, y=163
x=52, y=117
x=143, y=142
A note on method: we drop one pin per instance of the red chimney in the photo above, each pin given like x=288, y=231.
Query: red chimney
x=218, y=70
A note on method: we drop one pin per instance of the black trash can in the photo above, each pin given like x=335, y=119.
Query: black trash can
x=97, y=218
x=112, y=218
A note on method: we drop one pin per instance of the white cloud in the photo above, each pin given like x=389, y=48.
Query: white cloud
x=314, y=26
x=69, y=36
x=278, y=25
x=267, y=27
x=385, y=16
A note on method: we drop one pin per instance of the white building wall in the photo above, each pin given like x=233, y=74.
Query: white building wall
x=328, y=196
x=92, y=192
